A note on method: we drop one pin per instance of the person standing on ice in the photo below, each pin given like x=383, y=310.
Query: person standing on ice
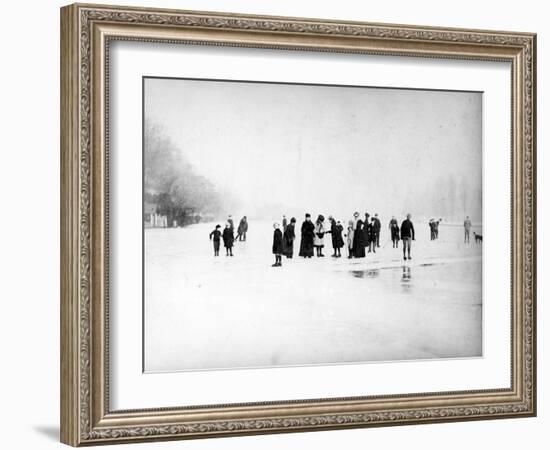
x=407, y=236
x=376, y=228
x=394, y=232
x=231, y=224
x=432, y=230
x=242, y=229
x=277, y=245
x=336, y=234
x=288, y=239
x=306, y=242
x=370, y=231
x=467, y=228
x=349, y=239
x=216, y=234
x=359, y=237
x=285, y=223
x=228, y=239
x=319, y=237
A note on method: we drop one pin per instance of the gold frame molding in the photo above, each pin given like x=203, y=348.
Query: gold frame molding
x=86, y=31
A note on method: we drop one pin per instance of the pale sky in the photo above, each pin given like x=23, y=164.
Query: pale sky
x=324, y=149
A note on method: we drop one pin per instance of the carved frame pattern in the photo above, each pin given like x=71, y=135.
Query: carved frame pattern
x=96, y=424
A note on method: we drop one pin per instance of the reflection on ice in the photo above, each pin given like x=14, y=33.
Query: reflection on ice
x=368, y=273
x=406, y=279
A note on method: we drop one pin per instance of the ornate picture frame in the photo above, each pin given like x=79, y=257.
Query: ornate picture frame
x=86, y=34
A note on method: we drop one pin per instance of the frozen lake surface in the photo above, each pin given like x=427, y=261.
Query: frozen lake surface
x=202, y=312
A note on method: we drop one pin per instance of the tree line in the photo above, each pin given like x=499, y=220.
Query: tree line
x=171, y=183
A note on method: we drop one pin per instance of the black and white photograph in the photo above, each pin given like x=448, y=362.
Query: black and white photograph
x=299, y=224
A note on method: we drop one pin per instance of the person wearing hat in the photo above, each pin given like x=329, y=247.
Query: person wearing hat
x=319, y=237
x=216, y=234
x=306, y=242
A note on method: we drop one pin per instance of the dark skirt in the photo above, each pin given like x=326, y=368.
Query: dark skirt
x=337, y=241
x=359, y=243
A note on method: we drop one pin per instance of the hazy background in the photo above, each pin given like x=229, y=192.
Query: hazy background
x=264, y=149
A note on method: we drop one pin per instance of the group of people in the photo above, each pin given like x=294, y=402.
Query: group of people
x=228, y=235
x=360, y=235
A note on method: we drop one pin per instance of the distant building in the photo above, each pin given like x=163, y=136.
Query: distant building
x=151, y=217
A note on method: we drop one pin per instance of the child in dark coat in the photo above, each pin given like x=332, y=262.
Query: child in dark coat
x=277, y=245
x=216, y=234
x=228, y=239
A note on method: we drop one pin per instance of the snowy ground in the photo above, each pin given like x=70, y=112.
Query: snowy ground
x=203, y=312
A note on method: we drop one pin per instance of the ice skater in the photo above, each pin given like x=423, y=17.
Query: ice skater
x=407, y=236
x=467, y=228
x=215, y=238
x=228, y=239
x=288, y=238
x=394, y=231
x=277, y=245
x=242, y=229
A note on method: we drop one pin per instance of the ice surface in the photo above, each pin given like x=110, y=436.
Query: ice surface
x=205, y=312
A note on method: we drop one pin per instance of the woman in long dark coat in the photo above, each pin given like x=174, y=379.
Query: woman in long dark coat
x=288, y=238
x=359, y=241
x=306, y=243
